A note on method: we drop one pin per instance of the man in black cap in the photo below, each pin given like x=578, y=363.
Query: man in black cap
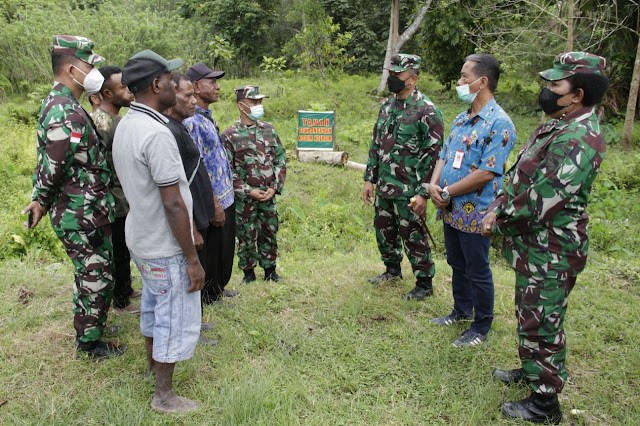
x=220, y=238
x=159, y=224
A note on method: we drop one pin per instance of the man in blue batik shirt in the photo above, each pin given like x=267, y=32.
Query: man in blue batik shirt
x=220, y=238
x=465, y=181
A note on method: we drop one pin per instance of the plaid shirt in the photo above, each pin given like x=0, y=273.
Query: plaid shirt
x=205, y=133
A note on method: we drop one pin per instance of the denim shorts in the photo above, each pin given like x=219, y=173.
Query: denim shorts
x=169, y=313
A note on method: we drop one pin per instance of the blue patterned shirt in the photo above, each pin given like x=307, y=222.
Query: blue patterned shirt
x=484, y=142
x=205, y=133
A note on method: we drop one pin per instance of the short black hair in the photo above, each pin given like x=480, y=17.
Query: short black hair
x=486, y=66
x=593, y=85
x=58, y=60
x=178, y=77
x=107, y=71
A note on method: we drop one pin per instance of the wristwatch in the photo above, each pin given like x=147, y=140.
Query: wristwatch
x=445, y=193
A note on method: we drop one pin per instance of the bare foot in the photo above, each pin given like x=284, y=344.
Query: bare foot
x=173, y=404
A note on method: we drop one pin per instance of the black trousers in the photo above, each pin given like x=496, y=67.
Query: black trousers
x=121, y=265
x=216, y=256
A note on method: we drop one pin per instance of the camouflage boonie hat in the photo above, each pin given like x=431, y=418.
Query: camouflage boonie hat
x=570, y=63
x=402, y=62
x=80, y=47
x=248, y=92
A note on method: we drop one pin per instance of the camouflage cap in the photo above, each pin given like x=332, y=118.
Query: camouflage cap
x=80, y=47
x=248, y=92
x=570, y=63
x=402, y=62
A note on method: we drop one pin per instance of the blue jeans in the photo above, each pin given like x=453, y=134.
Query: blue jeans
x=169, y=313
x=472, y=281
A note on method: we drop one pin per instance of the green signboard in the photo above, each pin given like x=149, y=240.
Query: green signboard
x=316, y=130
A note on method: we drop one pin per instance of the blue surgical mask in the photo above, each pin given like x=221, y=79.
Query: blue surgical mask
x=256, y=112
x=464, y=95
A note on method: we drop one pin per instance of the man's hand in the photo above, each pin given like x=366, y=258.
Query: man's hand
x=196, y=275
x=257, y=194
x=198, y=241
x=367, y=193
x=435, y=192
x=419, y=205
x=487, y=224
x=269, y=194
x=220, y=218
x=37, y=210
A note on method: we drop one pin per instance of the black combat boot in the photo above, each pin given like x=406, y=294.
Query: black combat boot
x=424, y=288
x=249, y=276
x=393, y=272
x=538, y=408
x=510, y=377
x=99, y=349
x=270, y=274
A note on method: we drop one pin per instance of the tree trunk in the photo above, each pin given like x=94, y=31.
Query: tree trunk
x=627, y=131
x=570, y=24
x=395, y=42
x=394, y=23
x=329, y=157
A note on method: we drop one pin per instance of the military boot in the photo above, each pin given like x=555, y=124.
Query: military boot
x=424, y=288
x=249, y=276
x=393, y=272
x=538, y=408
x=99, y=349
x=270, y=274
x=510, y=377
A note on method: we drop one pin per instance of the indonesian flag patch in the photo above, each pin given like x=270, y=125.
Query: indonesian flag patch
x=75, y=137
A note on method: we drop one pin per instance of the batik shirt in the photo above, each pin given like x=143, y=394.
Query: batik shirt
x=205, y=133
x=72, y=178
x=480, y=142
x=541, y=210
x=404, y=148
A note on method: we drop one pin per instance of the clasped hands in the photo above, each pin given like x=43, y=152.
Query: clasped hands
x=260, y=195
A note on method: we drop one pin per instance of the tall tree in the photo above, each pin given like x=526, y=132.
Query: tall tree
x=396, y=41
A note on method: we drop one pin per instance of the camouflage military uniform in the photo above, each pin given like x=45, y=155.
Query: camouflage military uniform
x=258, y=160
x=406, y=140
x=541, y=211
x=72, y=180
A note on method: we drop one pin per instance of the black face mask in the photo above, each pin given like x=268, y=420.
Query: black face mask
x=395, y=84
x=548, y=101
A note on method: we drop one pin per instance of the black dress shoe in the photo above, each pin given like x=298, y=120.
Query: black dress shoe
x=392, y=273
x=423, y=289
x=270, y=274
x=510, y=377
x=99, y=349
x=538, y=408
x=249, y=276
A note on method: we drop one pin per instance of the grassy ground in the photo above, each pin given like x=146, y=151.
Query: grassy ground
x=324, y=347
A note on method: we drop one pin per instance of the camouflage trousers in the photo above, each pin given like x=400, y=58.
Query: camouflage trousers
x=541, y=306
x=92, y=258
x=393, y=219
x=257, y=226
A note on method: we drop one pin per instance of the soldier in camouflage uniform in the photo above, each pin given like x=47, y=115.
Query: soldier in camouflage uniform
x=258, y=166
x=541, y=212
x=406, y=140
x=72, y=182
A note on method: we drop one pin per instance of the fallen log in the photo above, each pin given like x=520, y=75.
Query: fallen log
x=354, y=165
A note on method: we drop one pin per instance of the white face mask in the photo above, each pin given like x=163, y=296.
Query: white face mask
x=256, y=112
x=464, y=95
x=92, y=81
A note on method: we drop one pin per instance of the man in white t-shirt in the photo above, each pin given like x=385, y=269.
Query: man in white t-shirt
x=158, y=227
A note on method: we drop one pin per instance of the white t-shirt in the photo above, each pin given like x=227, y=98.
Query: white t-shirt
x=146, y=157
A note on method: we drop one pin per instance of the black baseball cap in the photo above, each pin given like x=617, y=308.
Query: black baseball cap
x=201, y=70
x=146, y=66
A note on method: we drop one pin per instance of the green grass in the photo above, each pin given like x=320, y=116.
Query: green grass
x=324, y=347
